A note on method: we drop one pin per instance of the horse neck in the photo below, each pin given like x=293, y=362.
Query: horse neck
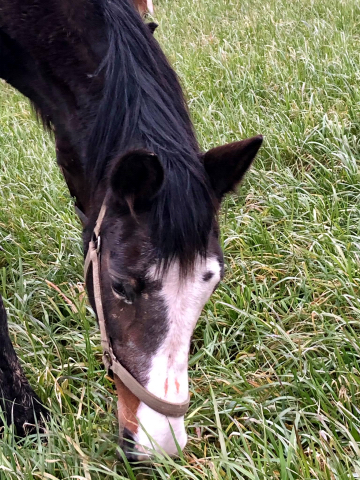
x=63, y=88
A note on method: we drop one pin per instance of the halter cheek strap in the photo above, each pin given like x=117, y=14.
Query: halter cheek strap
x=110, y=361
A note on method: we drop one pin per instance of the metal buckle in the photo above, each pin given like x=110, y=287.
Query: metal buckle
x=97, y=242
x=107, y=361
x=108, y=357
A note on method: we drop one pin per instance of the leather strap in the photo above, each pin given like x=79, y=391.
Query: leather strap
x=110, y=361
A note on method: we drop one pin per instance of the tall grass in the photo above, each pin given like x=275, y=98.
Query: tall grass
x=274, y=367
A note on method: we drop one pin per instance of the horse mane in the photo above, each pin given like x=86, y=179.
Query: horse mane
x=143, y=106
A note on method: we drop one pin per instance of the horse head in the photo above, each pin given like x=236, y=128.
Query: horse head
x=151, y=302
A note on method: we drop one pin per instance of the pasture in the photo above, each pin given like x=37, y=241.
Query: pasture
x=274, y=367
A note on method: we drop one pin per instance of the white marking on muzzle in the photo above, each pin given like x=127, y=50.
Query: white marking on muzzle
x=150, y=6
x=168, y=374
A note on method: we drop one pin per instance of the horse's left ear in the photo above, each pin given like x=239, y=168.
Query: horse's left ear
x=226, y=165
x=137, y=178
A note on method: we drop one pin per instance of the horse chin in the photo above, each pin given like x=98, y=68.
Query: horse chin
x=133, y=440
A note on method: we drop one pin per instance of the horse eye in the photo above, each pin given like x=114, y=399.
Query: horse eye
x=119, y=289
x=124, y=293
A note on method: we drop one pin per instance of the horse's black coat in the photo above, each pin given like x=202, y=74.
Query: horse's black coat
x=18, y=402
x=100, y=82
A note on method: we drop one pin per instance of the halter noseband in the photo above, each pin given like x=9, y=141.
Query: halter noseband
x=110, y=361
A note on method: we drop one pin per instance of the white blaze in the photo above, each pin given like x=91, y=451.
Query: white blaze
x=150, y=6
x=168, y=374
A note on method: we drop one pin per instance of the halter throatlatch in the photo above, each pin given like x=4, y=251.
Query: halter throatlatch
x=110, y=361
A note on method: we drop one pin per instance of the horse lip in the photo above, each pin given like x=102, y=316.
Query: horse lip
x=132, y=451
x=133, y=455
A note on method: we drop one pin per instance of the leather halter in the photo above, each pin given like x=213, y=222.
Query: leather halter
x=110, y=361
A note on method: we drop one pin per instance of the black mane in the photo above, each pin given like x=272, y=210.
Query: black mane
x=143, y=106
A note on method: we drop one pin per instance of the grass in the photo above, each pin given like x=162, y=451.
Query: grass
x=275, y=376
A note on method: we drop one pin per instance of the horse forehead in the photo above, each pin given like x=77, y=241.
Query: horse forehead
x=200, y=281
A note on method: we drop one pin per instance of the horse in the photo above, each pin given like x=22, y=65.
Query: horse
x=147, y=195
x=20, y=404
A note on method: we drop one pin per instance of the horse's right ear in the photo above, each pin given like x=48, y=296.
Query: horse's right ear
x=226, y=165
x=137, y=178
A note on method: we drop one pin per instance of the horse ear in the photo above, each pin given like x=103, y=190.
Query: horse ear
x=226, y=165
x=137, y=177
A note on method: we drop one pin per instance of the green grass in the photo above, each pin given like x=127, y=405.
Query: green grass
x=275, y=375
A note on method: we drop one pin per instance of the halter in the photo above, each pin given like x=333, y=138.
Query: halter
x=110, y=361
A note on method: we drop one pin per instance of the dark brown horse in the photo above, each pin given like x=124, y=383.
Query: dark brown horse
x=126, y=147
